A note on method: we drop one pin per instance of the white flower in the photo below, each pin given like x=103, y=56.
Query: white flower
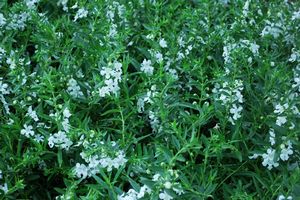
x=281, y=120
x=159, y=57
x=4, y=188
x=38, y=138
x=236, y=111
x=269, y=159
x=282, y=197
x=27, y=131
x=156, y=177
x=286, y=152
x=67, y=113
x=32, y=114
x=165, y=196
x=163, y=43
x=81, y=13
x=64, y=4
x=59, y=139
x=81, y=171
x=74, y=89
x=4, y=88
x=31, y=3
x=2, y=20
x=147, y=67
x=272, y=136
x=296, y=15
x=279, y=109
x=112, y=78
x=178, y=191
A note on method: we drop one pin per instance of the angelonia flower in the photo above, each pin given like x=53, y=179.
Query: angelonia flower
x=32, y=113
x=74, y=89
x=274, y=29
x=146, y=67
x=65, y=123
x=81, y=13
x=230, y=48
x=18, y=21
x=269, y=159
x=230, y=96
x=2, y=20
x=112, y=75
x=163, y=43
x=282, y=197
x=27, y=131
x=64, y=4
x=60, y=140
x=286, y=150
x=31, y=3
x=146, y=98
x=4, y=188
x=134, y=195
x=98, y=159
x=272, y=137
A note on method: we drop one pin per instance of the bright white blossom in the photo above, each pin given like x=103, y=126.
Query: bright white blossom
x=286, y=151
x=27, y=131
x=146, y=67
x=112, y=75
x=32, y=113
x=281, y=120
x=163, y=43
x=74, y=89
x=81, y=13
x=60, y=140
x=269, y=159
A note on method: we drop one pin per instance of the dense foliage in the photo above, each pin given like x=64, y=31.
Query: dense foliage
x=149, y=99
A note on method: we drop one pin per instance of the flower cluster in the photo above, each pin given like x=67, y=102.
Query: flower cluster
x=97, y=160
x=134, y=195
x=231, y=48
x=81, y=13
x=230, y=95
x=60, y=140
x=165, y=183
x=74, y=89
x=147, y=67
x=112, y=75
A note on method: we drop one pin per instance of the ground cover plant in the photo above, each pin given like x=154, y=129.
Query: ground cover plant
x=149, y=99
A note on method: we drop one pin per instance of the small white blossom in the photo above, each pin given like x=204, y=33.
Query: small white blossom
x=32, y=113
x=81, y=13
x=74, y=89
x=2, y=20
x=81, y=171
x=236, y=111
x=269, y=159
x=286, y=151
x=27, y=131
x=281, y=120
x=59, y=139
x=146, y=67
x=4, y=188
x=272, y=137
x=163, y=43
